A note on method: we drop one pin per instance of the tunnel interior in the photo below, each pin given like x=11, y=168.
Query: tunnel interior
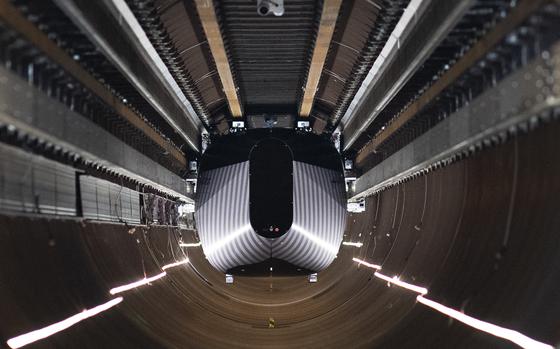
x=330, y=174
x=426, y=229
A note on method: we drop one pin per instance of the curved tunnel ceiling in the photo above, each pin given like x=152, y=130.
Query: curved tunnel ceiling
x=459, y=253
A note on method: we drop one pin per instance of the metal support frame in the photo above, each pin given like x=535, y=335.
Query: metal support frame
x=523, y=10
x=424, y=24
x=211, y=27
x=327, y=24
x=13, y=18
x=519, y=99
x=123, y=41
x=32, y=112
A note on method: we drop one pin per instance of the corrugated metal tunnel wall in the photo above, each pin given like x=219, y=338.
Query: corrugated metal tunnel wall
x=480, y=234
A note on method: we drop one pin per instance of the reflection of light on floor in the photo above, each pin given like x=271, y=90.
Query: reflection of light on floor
x=369, y=265
x=176, y=264
x=25, y=339
x=135, y=284
x=505, y=333
x=229, y=238
x=395, y=280
x=313, y=238
x=355, y=244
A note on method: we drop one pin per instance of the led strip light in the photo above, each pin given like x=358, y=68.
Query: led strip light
x=369, y=265
x=182, y=244
x=176, y=264
x=505, y=333
x=355, y=244
x=395, y=281
x=135, y=284
x=33, y=336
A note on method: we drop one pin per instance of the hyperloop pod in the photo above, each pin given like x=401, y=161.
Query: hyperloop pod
x=271, y=201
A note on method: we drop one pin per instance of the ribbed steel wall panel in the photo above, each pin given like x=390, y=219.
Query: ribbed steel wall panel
x=222, y=216
x=33, y=184
x=106, y=201
x=319, y=210
x=223, y=220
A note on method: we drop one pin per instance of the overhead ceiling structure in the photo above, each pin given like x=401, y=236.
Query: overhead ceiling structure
x=322, y=43
x=269, y=54
x=364, y=29
x=211, y=27
x=137, y=184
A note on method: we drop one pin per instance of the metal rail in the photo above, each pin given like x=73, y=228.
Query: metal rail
x=524, y=9
x=521, y=100
x=123, y=41
x=12, y=17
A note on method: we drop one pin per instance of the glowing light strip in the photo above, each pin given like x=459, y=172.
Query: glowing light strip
x=25, y=339
x=395, y=280
x=28, y=338
x=221, y=243
x=130, y=286
x=190, y=245
x=369, y=265
x=505, y=333
x=355, y=244
x=319, y=242
x=172, y=265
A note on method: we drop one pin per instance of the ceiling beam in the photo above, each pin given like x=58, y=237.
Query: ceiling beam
x=327, y=24
x=207, y=14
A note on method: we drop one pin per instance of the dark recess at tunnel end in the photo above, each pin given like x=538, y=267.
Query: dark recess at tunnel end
x=271, y=188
